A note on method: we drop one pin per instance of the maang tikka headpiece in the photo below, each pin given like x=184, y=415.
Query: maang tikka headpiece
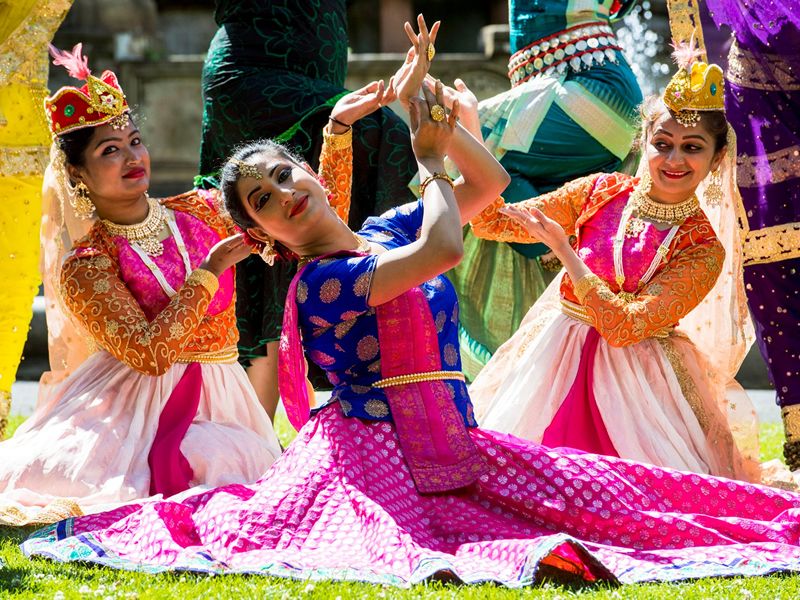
x=695, y=88
x=98, y=102
x=246, y=170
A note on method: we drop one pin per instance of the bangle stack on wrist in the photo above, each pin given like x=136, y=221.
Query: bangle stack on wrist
x=433, y=176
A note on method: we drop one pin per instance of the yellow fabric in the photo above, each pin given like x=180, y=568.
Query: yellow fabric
x=26, y=26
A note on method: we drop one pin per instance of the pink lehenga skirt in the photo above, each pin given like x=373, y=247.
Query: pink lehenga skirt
x=88, y=445
x=557, y=382
x=341, y=504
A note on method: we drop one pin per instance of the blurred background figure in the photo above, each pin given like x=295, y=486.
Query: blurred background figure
x=570, y=112
x=761, y=100
x=26, y=27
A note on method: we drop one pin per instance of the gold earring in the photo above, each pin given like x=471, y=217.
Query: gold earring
x=81, y=202
x=646, y=182
x=713, y=191
x=267, y=253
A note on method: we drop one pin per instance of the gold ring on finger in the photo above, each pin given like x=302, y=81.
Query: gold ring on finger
x=437, y=112
x=430, y=52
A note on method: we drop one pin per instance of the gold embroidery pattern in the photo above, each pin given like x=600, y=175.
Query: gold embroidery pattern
x=101, y=286
x=95, y=293
x=690, y=273
x=769, y=73
x=342, y=329
x=176, y=331
x=336, y=169
x=586, y=283
x=302, y=291
x=684, y=23
x=55, y=511
x=771, y=244
x=376, y=408
x=688, y=387
x=23, y=53
x=330, y=290
x=791, y=422
x=440, y=320
x=783, y=164
x=205, y=278
x=568, y=205
x=450, y=355
x=148, y=347
x=361, y=285
x=23, y=161
x=367, y=348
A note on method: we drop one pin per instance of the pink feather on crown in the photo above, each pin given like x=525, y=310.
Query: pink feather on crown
x=77, y=66
x=685, y=53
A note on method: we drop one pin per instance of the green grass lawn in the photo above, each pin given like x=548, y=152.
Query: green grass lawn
x=23, y=578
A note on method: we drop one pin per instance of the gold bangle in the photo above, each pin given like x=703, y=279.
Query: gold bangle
x=205, y=278
x=337, y=141
x=430, y=178
x=586, y=284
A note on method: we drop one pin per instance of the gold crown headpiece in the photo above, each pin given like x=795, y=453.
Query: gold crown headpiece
x=695, y=88
x=98, y=102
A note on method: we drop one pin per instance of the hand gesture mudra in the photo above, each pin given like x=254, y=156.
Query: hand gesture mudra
x=431, y=128
x=360, y=103
x=408, y=79
x=226, y=253
x=539, y=225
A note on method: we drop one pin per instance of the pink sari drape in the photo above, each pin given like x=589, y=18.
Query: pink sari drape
x=170, y=471
x=578, y=422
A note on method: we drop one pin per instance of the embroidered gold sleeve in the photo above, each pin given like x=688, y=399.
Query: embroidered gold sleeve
x=562, y=205
x=336, y=168
x=664, y=301
x=100, y=300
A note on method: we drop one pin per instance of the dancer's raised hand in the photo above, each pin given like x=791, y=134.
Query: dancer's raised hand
x=226, y=253
x=540, y=226
x=359, y=104
x=408, y=79
x=467, y=101
x=431, y=129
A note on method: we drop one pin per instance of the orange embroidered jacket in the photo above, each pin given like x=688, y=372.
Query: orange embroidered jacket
x=94, y=290
x=689, y=272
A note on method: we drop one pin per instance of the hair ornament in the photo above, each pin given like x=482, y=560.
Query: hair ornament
x=246, y=170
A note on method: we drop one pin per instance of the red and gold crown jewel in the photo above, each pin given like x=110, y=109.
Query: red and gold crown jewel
x=696, y=87
x=99, y=101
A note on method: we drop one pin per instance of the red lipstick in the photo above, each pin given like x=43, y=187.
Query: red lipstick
x=135, y=173
x=299, y=206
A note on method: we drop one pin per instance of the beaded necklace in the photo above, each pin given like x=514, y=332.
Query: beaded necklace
x=145, y=233
x=645, y=207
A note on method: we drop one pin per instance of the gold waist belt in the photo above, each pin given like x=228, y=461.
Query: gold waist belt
x=579, y=313
x=225, y=356
x=576, y=311
x=417, y=377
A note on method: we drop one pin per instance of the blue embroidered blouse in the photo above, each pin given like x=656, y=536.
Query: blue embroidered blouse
x=340, y=330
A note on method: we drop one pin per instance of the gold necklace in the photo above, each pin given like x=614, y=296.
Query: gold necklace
x=362, y=248
x=145, y=234
x=674, y=214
